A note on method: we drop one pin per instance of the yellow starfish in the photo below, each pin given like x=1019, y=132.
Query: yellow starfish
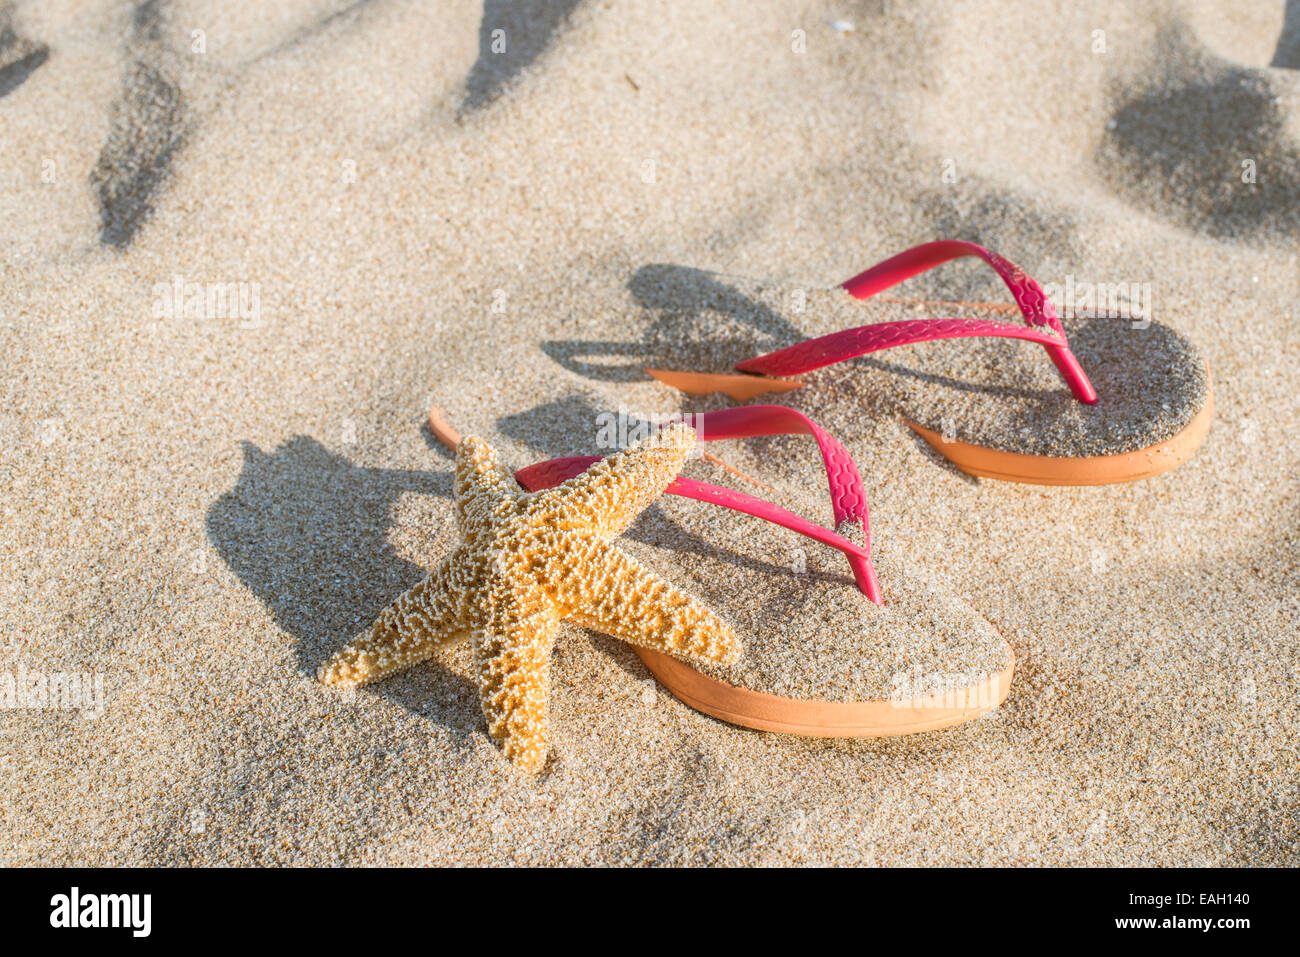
x=529, y=560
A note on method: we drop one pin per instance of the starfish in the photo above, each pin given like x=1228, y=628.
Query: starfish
x=529, y=560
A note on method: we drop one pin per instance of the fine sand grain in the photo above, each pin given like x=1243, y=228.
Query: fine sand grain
x=808, y=632
x=201, y=504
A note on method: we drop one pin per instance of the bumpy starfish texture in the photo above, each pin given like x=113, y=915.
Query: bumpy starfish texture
x=529, y=560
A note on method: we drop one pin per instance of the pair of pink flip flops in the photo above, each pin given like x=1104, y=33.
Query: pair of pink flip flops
x=823, y=659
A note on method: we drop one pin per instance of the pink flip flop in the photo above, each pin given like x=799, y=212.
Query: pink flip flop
x=825, y=655
x=988, y=406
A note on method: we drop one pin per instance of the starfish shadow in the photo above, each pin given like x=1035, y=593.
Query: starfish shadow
x=306, y=531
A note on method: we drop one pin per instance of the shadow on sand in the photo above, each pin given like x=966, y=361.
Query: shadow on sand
x=511, y=36
x=306, y=531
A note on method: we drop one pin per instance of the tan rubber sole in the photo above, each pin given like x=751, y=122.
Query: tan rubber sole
x=1057, y=470
x=980, y=460
x=826, y=719
x=738, y=386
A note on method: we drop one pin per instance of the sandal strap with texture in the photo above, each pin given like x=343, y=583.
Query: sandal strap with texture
x=848, y=500
x=1042, y=325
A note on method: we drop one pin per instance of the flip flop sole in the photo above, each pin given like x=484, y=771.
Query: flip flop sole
x=827, y=719
x=1094, y=470
x=737, y=386
x=981, y=460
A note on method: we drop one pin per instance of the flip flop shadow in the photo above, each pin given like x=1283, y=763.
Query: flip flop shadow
x=681, y=295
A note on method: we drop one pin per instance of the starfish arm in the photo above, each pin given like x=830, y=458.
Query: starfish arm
x=482, y=483
x=612, y=493
x=512, y=656
x=433, y=613
x=613, y=593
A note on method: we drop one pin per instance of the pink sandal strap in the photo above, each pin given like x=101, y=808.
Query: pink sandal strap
x=1034, y=304
x=848, y=500
x=1042, y=325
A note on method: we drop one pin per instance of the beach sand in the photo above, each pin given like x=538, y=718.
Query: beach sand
x=202, y=504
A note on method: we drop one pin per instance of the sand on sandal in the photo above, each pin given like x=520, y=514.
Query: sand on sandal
x=808, y=632
x=243, y=254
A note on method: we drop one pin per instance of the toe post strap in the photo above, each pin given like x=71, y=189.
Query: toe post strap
x=1042, y=324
